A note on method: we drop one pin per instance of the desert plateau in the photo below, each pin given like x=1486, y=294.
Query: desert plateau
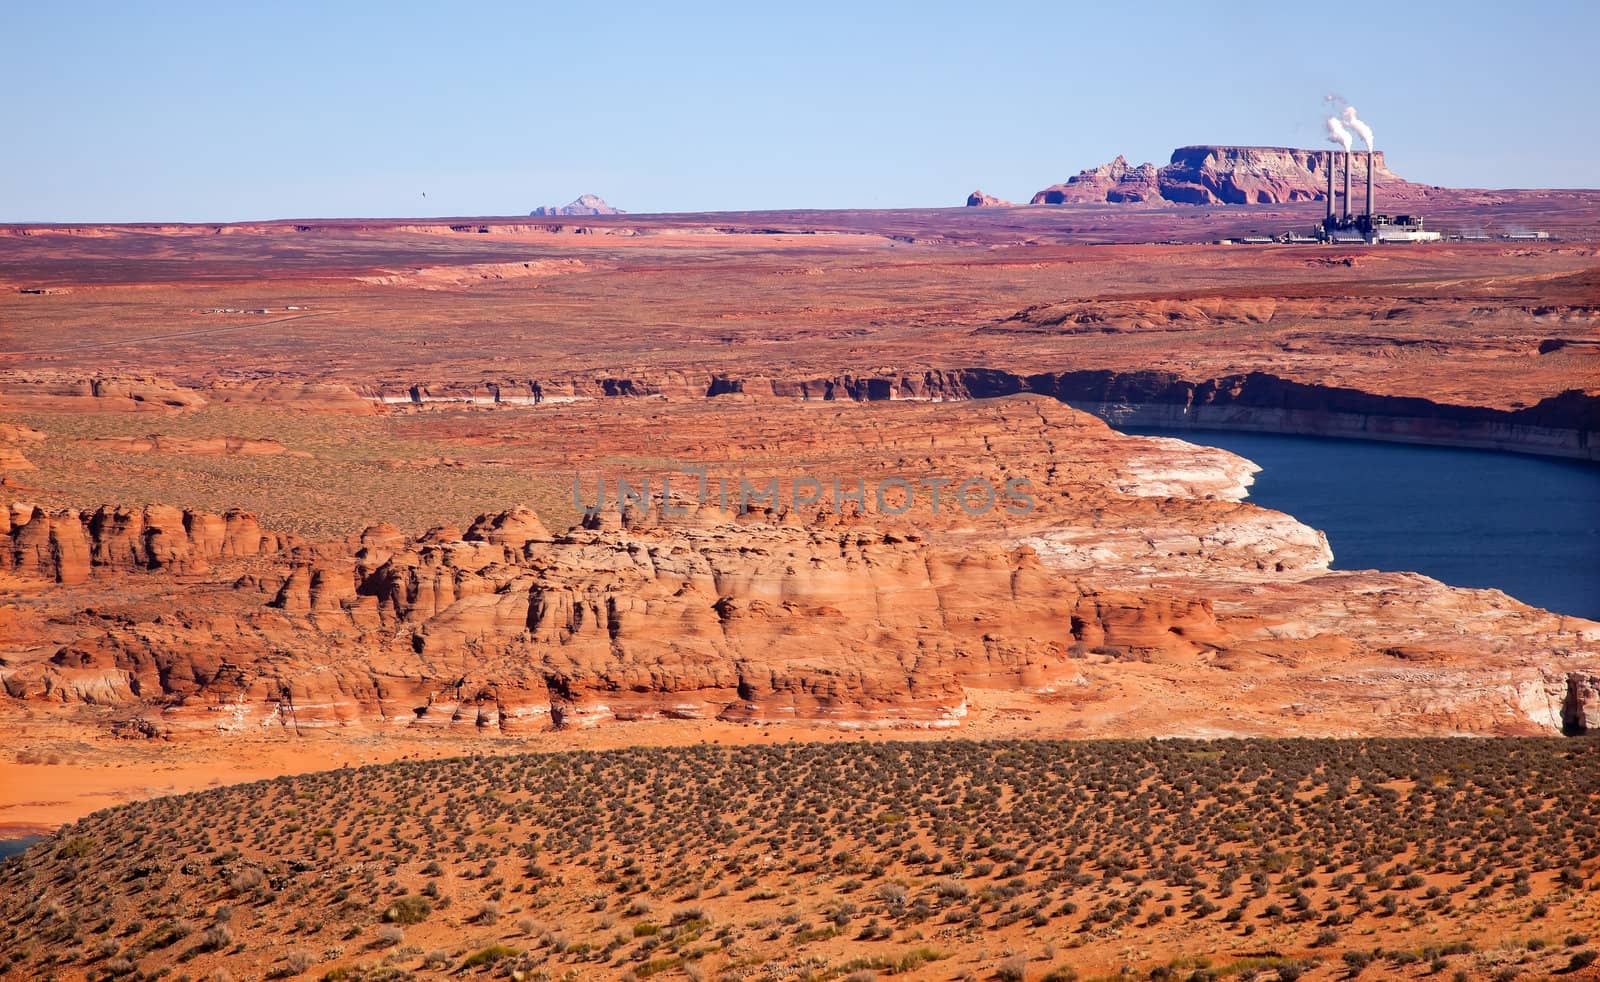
x=243, y=540
x=1186, y=570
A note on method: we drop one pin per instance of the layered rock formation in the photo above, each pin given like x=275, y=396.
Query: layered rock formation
x=1209, y=175
x=1117, y=181
x=95, y=393
x=1562, y=425
x=510, y=627
x=1139, y=578
x=322, y=397
x=69, y=546
x=583, y=204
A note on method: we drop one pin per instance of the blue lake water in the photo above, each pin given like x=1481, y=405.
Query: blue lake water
x=1527, y=525
x=12, y=847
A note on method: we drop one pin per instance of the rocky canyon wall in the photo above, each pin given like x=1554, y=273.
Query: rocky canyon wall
x=1562, y=425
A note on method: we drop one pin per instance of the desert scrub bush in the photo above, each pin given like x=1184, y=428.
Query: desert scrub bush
x=487, y=913
x=918, y=957
x=246, y=880
x=688, y=915
x=408, y=910
x=296, y=962
x=1356, y=960
x=489, y=955
x=656, y=966
x=75, y=847
x=389, y=935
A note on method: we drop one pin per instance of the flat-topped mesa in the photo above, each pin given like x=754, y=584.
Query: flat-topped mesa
x=1209, y=175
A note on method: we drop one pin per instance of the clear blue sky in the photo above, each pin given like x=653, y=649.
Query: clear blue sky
x=222, y=111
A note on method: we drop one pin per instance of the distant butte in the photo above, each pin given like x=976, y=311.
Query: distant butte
x=978, y=199
x=583, y=204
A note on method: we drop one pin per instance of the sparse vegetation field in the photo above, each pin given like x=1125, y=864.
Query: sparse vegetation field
x=1253, y=859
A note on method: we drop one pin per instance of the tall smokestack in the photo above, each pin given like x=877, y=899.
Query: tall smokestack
x=1369, y=188
x=1328, y=165
x=1347, y=185
x=1339, y=136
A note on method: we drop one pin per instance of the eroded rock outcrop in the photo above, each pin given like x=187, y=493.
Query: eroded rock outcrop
x=1580, y=709
x=506, y=624
x=321, y=397
x=69, y=546
x=97, y=393
x=1117, y=181
x=978, y=199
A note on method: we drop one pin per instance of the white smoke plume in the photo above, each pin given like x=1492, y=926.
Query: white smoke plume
x=1338, y=134
x=1356, y=124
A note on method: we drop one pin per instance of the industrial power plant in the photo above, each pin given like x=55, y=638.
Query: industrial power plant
x=1339, y=225
x=1367, y=226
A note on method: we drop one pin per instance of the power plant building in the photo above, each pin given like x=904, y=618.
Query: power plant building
x=1340, y=226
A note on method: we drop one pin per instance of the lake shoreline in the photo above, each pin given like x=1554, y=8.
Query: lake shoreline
x=1471, y=517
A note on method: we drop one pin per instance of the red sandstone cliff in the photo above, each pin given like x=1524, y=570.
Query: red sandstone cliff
x=1117, y=181
x=69, y=546
x=506, y=625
